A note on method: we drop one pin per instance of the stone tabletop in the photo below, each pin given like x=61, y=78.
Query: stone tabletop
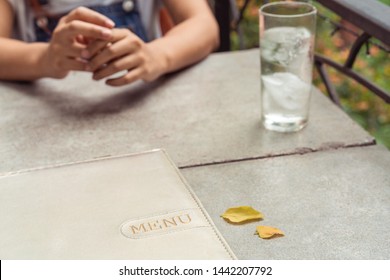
x=209, y=113
x=327, y=187
x=330, y=204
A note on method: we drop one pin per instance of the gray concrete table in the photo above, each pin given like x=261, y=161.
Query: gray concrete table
x=327, y=187
x=330, y=204
x=209, y=113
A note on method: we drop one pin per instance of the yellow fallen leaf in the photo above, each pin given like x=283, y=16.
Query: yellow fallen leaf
x=267, y=232
x=241, y=214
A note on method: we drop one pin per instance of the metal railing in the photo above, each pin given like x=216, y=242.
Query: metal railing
x=372, y=17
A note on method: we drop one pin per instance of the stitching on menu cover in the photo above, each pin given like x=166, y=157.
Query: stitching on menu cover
x=199, y=206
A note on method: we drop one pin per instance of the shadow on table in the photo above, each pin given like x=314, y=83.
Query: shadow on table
x=78, y=98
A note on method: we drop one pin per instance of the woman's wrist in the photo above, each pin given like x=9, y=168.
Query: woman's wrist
x=161, y=63
x=39, y=60
x=44, y=62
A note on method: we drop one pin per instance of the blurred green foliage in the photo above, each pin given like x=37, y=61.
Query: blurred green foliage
x=371, y=112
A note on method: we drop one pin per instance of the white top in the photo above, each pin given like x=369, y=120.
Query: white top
x=24, y=27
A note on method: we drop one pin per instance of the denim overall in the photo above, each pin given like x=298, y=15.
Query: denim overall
x=116, y=12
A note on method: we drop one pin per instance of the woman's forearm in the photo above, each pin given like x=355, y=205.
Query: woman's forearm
x=20, y=61
x=187, y=43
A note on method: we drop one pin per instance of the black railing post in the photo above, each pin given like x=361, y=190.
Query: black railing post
x=222, y=14
x=372, y=18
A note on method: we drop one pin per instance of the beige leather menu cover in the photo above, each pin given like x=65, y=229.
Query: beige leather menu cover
x=131, y=207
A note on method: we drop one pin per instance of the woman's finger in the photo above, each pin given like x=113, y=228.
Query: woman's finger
x=90, y=16
x=130, y=77
x=75, y=50
x=124, y=63
x=75, y=28
x=95, y=47
x=71, y=64
x=114, y=51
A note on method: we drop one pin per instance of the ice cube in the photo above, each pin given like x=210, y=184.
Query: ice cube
x=287, y=90
x=282, y=45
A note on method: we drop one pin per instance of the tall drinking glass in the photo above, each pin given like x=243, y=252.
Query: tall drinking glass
x=287, y=31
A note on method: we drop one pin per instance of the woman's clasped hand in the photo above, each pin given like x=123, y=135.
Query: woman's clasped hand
x=84, y=39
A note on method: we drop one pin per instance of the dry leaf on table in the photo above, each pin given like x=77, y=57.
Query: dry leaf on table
x=267, y=232
x=241, y=214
